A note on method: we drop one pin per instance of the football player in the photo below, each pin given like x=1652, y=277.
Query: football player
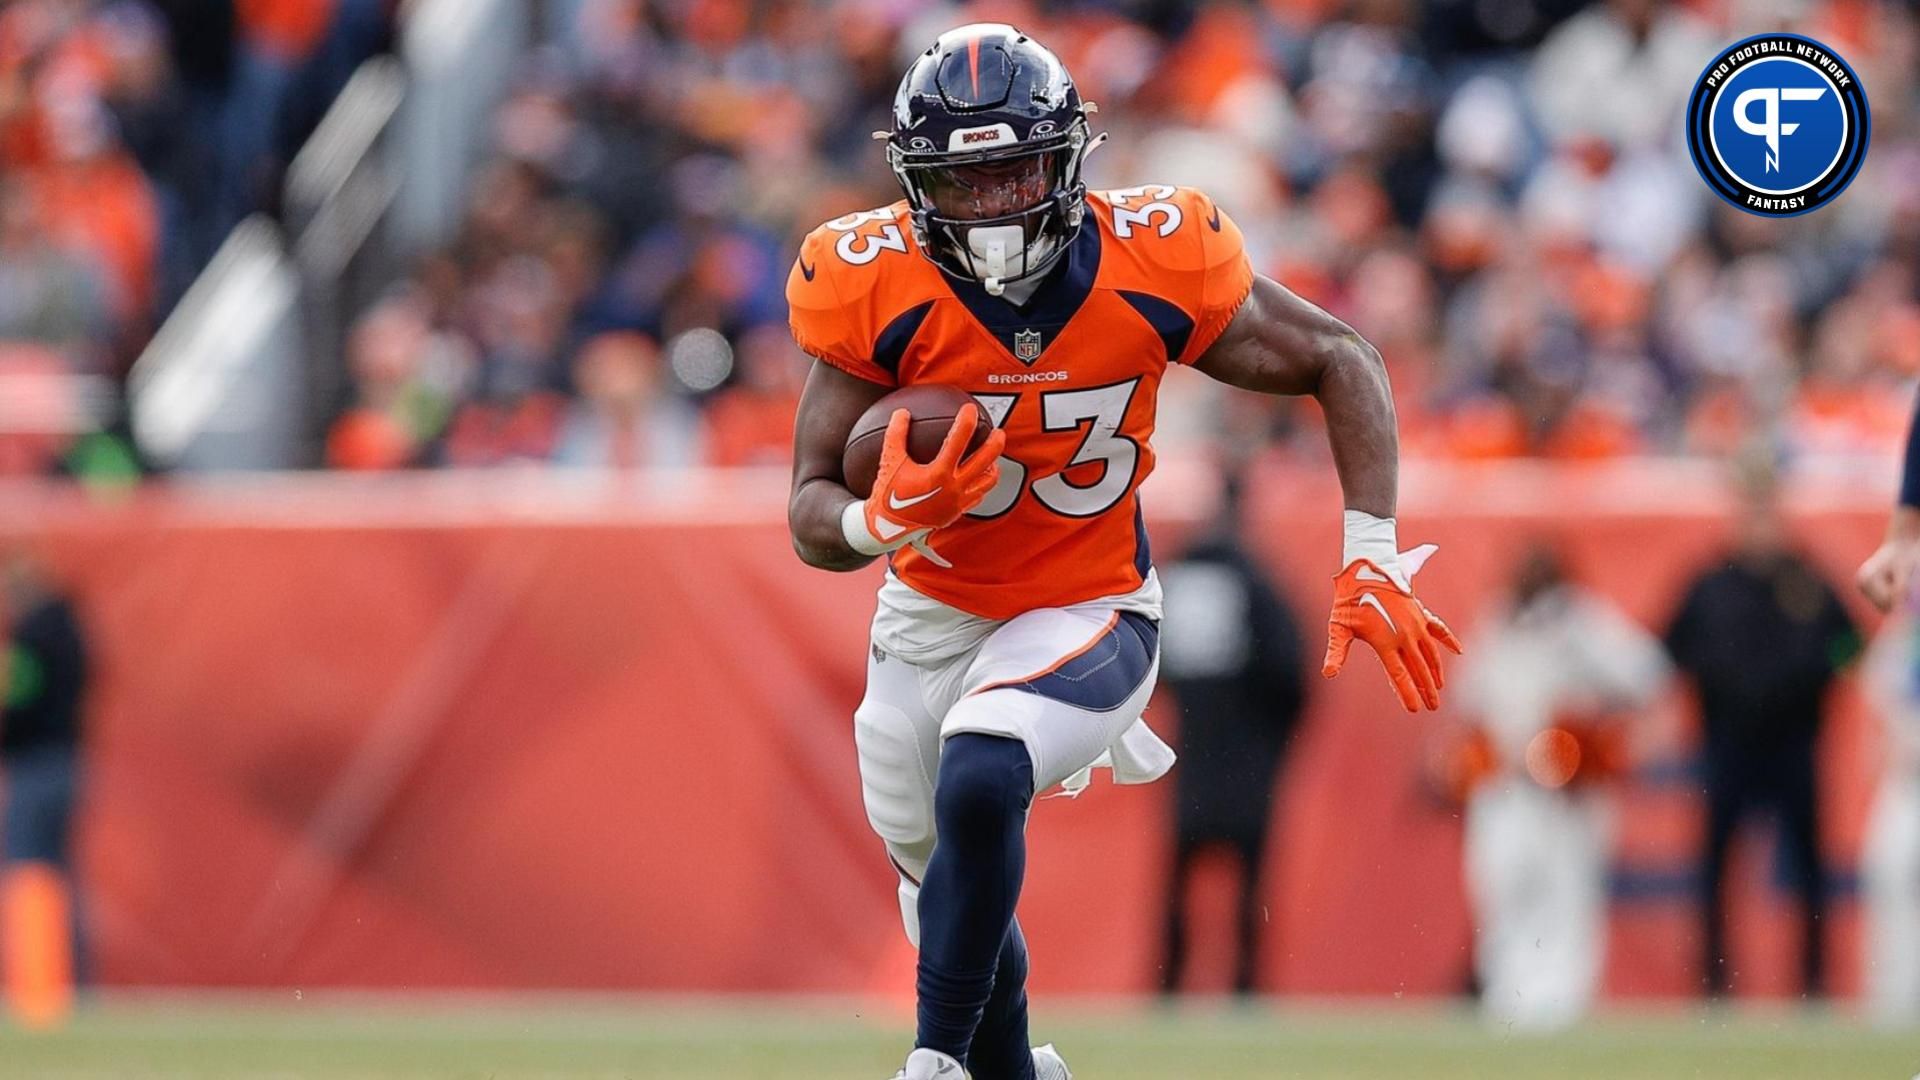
x=1885, y=575
x=1016, y=637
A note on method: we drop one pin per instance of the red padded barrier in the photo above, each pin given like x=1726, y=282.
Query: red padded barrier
x=534, y=732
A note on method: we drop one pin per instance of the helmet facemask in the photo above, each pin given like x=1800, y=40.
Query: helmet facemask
x=997, y=215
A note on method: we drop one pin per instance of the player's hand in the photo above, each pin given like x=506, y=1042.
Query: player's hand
x=1885, y=575
x=1370, y=605
x=910, y=497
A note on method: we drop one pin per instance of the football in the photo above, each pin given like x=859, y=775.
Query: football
x=932, y=406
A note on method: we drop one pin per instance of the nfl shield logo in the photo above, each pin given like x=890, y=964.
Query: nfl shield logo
x=1026, y=345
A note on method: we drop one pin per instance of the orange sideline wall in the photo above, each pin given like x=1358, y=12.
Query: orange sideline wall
x=537, y=732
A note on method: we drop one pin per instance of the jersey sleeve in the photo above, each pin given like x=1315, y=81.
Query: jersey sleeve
x=1226, y=276
x=826, y=325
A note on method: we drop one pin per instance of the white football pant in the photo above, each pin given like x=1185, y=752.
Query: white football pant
x=1070, y=683
x=1536, y=877
x=1890, y=893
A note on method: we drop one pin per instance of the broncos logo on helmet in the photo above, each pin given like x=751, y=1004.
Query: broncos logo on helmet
x=988, y=138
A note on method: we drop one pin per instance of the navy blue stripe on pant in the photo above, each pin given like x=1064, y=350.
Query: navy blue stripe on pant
x=1103, y=676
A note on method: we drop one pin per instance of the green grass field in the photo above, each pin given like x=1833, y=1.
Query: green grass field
x=483, y=1038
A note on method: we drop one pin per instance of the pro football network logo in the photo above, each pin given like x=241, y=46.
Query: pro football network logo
x=1778, y=125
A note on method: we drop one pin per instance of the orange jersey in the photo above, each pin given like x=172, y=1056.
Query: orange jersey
x=1152, y=278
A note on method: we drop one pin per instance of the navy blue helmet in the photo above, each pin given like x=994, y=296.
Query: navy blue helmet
x=988, y=138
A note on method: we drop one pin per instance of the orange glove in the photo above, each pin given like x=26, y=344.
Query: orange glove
x=910, y=498
x=1372, y=606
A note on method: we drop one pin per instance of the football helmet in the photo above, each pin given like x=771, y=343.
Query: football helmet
x=988, y=138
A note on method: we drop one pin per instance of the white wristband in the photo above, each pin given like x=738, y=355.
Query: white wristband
x=1374, y=539
x=853, y=526
x=861, y=539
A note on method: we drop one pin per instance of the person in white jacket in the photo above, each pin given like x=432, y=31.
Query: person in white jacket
x=1554, y=672
x=1890, y=858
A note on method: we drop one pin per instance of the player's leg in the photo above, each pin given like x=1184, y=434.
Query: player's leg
x=1566, y=912
x=1173, y=956
x=1058, y=686
x=1586, y=925
x=1725, y=803
x=1800, y=829
x=981, y=798
x=899, y=746
x=1000, y=1043
x=1491, y=874
x=1250, y=941
x=898, y=740
x=1890, y=889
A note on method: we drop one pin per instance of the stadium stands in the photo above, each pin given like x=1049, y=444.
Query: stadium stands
x=1503, y=203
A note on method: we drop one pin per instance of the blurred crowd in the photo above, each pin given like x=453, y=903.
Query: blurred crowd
x=1497, y=194
x=134, y=134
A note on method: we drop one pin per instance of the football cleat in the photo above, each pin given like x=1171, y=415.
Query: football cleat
x=1048, y=1065
x=925, y=1064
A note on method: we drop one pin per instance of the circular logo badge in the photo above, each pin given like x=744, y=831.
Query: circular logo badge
x=1778, y=125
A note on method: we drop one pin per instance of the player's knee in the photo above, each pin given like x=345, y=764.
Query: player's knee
x=893, y=783
x=985, y=785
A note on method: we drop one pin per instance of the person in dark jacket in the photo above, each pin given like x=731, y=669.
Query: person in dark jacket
x=1231, y=654
x=1762, y=635
x=46, y=667
x=43, y=679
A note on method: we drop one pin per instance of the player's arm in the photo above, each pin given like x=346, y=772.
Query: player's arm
x=1884, y=576
x=835, y=530
x=831, y=527
x=829, y=405
x=1278, y=343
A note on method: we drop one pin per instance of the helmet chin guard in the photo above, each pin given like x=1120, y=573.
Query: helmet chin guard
x=990, y=246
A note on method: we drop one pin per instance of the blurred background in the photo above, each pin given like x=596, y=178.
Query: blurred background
x=395, y=406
